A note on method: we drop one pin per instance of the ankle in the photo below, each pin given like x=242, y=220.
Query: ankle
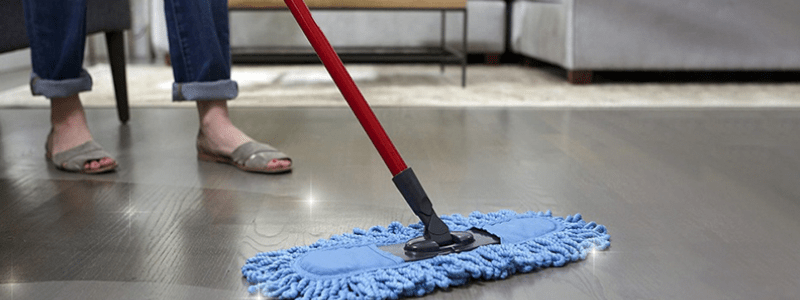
x=213, y=113
x=67, y=112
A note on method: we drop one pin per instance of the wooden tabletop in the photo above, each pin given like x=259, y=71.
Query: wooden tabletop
x=371, y=4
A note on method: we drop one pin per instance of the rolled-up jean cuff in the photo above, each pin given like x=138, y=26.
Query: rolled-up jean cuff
x=60, y=88
x=199, y=91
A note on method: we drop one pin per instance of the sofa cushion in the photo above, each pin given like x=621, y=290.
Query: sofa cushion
x=107, y=15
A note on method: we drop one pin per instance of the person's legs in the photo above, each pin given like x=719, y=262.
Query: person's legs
x=201, y=63
x=57, y=34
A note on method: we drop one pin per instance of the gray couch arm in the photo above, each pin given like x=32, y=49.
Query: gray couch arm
x=659, y=34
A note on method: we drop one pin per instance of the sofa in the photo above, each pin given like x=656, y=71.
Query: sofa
x=109, y=16
x=584, y=36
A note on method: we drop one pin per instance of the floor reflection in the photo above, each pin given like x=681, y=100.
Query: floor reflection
x=672, y=187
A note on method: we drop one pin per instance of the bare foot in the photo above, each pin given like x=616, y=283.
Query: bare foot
x=70, y=129
x=220, y=133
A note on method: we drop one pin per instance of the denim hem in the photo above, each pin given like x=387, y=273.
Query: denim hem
x=51, y=88
x=202, y=91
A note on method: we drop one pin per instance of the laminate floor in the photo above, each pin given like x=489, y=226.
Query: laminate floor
x=700, y=204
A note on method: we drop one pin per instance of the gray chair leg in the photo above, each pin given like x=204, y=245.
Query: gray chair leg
x=116, y=57
x=444, y=29
x=464, y=48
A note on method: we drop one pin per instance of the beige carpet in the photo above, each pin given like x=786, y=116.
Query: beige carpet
x=424, y=85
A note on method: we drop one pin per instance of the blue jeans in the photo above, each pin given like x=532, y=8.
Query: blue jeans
x=199, y=48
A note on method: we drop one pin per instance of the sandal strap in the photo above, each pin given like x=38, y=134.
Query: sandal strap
x=74, y=159
x=255, y=154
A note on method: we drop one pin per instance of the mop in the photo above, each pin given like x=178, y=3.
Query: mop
x=401, y=261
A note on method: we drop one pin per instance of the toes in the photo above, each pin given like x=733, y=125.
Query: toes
x=98, y=164
x=92, y=165
x=279, y=164
x=107, y=161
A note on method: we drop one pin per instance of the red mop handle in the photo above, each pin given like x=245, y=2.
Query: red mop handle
x=348, y=88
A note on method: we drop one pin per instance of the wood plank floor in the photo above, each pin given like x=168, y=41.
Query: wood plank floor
x=700, y=204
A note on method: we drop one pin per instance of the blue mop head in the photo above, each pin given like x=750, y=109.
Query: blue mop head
x=350, y=266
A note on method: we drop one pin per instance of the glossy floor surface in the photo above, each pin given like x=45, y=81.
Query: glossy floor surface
x=700, y=204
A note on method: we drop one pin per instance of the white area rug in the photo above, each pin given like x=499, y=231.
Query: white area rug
x=424, y=85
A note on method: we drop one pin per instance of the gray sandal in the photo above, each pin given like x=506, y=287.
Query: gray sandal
x=250, y=157
x=74, y=159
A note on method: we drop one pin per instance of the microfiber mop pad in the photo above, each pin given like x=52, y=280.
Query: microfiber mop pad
x=353, y=266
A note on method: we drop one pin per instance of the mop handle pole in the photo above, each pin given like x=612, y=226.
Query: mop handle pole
x=348, y=88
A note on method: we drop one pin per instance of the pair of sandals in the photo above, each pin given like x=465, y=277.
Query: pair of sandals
x=251, y=157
